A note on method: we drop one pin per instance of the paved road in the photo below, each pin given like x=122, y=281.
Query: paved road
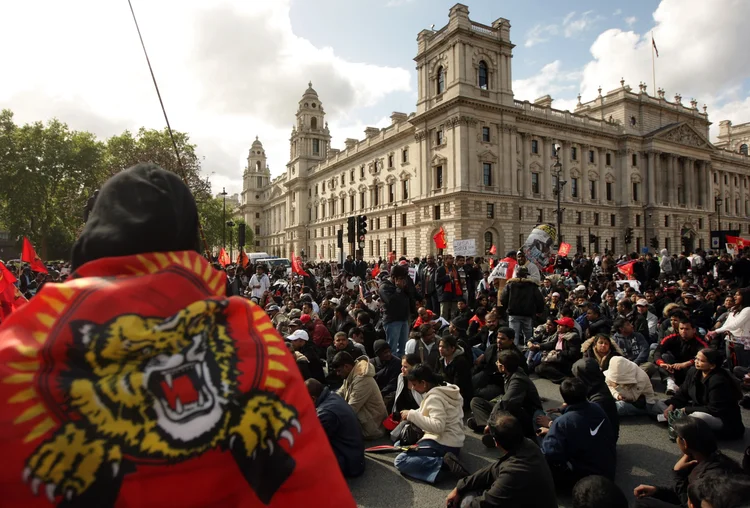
x=644, y=455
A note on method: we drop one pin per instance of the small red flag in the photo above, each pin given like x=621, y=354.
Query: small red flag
x=439, y=239
x=297, y=266
x=563, y=250
x=8, y=292
x=224, y=258
x=375, y=271
x=626, y=269
x=242, y=259
x=493, y=250
x=29, y=256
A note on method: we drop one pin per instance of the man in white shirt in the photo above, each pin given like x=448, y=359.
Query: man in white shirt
x=533, y=270
x=259, y=283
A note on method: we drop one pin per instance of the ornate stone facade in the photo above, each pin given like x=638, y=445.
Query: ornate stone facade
x=479, y=163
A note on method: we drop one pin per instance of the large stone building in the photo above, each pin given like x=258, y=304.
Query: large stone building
x=482, y=165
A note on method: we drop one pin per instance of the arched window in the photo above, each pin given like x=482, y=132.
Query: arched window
x=743, y=149
x=487, y=242
x=440, y=80
x=314, y=123
x=257, y=166
x=483, y=81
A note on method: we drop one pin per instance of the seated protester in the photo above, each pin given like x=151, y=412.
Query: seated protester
x=701, y=457
x=278, y=319
x=553, y=306
x=602, y=349
x=708, y=393
x=440, y=416
x=341, y=426
x=520, y=397
x=671, y=323
x=676, y=353
x=631, y=388
x=406, y=397
x=364, y=323
x=587, y=370
x=597, y=492
x=477, y=322
x=598, y=325
x=307, y=310
x=320, y=337
x=361, y=392
x=341, y=343
x=488, y=381
x=326, y=312
x=608, y=308
x=558, y=356
x=342, y=321
x=520, y=478
x=542, y=333
x=422, y=343
x=424, y=316
x=581, y=442
x=457, y=329
x=357, y=337
x=454, y=366
x=301, y=344
x=642, y=308
x=633, y=345
x=387, y=371
x=302, y=363
x=486, y=336
x=463, y=311
x=716, y=490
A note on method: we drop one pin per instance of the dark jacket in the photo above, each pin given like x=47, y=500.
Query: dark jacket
x=458, y=373
x=716, y=395
x=446, y=285
x=683, y=351
x=520, y=479
x=350, y=348
x=313, y=360
x=717, y=464
x=522, y=298
x=386, y=374
x=587, y=370
x=426, y=279
x=600, y=326
x=344, y=432
x=520, y=396
x=571, y=350
x=583, y=438
x=635, y=347
x=396, y=302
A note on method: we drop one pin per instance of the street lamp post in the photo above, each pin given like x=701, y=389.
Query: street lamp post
x=557, y=167
x=231, y=225
x=718, y=202
x=224, y=219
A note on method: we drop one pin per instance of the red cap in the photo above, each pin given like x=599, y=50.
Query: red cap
x=566, y=321
x=305, y=318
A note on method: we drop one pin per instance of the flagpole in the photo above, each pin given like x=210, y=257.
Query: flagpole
x=653, y=63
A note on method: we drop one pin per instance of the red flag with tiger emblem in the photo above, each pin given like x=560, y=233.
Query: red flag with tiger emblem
x=138, y=383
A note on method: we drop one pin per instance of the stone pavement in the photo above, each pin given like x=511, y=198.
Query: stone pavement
x=644, y=455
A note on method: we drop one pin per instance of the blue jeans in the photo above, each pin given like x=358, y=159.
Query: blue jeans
x=397, y=333
x=629, y=409
x=524, y=328
x=424, y=463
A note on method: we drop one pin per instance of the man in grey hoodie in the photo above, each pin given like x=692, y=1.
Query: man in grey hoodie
x=634, y=346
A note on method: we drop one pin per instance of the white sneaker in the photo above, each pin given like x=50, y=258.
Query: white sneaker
x=671, y=386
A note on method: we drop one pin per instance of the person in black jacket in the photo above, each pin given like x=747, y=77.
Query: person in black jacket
x=341, y=426
x=455, y=367
x=397, y=301
x=520, y=478
x=559, y=354
x=710, y=394
x=488, y=380
x=523, y=300
x=675, y=354
x=387, y=370
x=587, y=370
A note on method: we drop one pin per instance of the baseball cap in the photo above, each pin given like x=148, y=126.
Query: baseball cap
x=299, y=335
x=641, y=302
x=580, y=287
x=566, y=321
x=271, y=307
x=295, y=314
x=688, y=295
x=295, y=322
x=305, y=318
x=334, y=301
x=379, y=345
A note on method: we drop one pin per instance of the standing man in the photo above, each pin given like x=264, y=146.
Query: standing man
x=531, y=268
x=427, y=285
x=360, y=267
x=522, y=298
x=397, y=300
x=259, y=283
x=448, y=288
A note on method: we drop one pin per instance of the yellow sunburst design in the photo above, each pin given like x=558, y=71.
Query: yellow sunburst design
x=269, y=336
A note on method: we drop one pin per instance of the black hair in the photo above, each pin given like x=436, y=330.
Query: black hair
x=619, y=323
x=449, y=340
x=595, y=491
x=506, y=430
x=595, y=309
x=507, y=331
x=713, y=356
x=745, y=293
x=423, y=372
x=510, y=360
x=684, y=320
x=342, y=358
x=626, y=303
x=341, y=309
x=363, y=317
x=720, y=490
x=399, y=271
x=573, y=390
x=481, y=312
x=355, y=331
x=697, y=435
x=412, y=359
x=314, y=387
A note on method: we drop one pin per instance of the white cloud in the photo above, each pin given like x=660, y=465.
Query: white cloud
x=617, y=12
x=630, y=20
x=551, y=80
x=227, y=72
x=539, y=34
x=570, y=26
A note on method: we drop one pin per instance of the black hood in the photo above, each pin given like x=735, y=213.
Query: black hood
x=588, y=371
x=139, y=210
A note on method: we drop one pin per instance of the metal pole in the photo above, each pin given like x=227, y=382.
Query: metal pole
x=224, y=220
x=395, y=229
x=559, y=233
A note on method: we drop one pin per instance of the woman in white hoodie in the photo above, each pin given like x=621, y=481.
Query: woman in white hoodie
x=631, y=387
x=440, y=416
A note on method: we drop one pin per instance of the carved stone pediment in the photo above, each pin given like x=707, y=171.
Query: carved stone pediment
x=593, y=175
x=609, y=178
x=438, y=160
x=487, y=156
x=684, y=134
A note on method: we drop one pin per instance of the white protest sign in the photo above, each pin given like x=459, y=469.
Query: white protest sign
x=464, y=248
x=413, y=274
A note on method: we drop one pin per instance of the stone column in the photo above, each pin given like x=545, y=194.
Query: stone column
x=690, y=181
x=525, y=156
x=565, y=161
x=651, y=179
x=544, y=150
x=512, y=158
x=672, y=171
x=601, y=169
x=506, y=165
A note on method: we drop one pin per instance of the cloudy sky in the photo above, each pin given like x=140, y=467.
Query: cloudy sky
x=233, y=69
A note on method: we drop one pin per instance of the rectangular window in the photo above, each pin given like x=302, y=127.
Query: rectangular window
x=391, y=193
x=637, y=220
x=257, y=230
x=540, y=215
x=405, y=189
x=635, y=159
x=377, y=223
x=535, y=183
x=390, y=161
x=362, y=200
x=596, y=218
x=405, y=155
x=390, y=222
x=260, y=182
x=316, y=190
x=309, y=192
x=351, y=203
x=343, y=179
x=666, y=221
x=592, y=189
x=487, y=174
x=257, y=215
x=403, y=219
x=316, y=146
x=574, y=187
x=579, y=243
x=520, y=213
x=486, y=134
x=439, y=177
x=612, y=220
x=635, y=191
x=324, y=186
x=351, y=176
x=534, y=146
x=342, y=205
x=579, y=218
x=361, y=171
x=439, y=137
x=591, y=156
x=613, y=244
x=309, y=215
x=490, y=211
x=403, y=246
x=608, y=159
x=574, y=153
x=436, y=212
x=608, y=186
x=700, y=223
x=376, y=196
x=390, y=245
x=371, y=245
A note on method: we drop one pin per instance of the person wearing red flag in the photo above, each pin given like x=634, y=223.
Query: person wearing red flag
x=28, y=255
x=139, y=383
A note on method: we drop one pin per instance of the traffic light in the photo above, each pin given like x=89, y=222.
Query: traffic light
x=592, y=238
x=628, y=235
x=340, y=234
x=351, y=223
x=241, y=234
x=361, y=225
x=654, y=242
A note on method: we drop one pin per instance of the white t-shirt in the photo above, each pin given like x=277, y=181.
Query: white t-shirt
x=263, y=281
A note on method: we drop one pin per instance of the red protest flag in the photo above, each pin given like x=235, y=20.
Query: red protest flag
x=297, y=266
x=563, y=250
x=242, y=259
x=626, y=269
x=375, y=271
x=493, y=250
x=224, y=258
x=29, y=256
x=732, y=239
x=439, y=239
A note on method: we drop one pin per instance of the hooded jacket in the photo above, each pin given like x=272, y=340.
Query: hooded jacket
x=634, y=347
x=396, y=302
x=665, y=263
x=587, y=350
x=361, y=392
x=441, y=416
x=343, y=431
x=522, y=298
x=629, y=381
x=587, y=370
x=406, y=398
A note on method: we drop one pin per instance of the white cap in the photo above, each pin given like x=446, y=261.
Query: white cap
x=299, y=335
x=642, y=302
x=581, y=287
x=556, y=294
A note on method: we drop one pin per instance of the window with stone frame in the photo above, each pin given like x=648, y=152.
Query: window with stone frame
x=405, y=155
x=490, y=211
x=534, y=146
x=440, y=81
x=405, y=189
x=486, y=134
x=592, y=189
x=488, y=242
x=483, y=75
x=487, y=174
x=439, y=177
x=439, y=137
x=535, y=183
x=608, y=188
x=390, y=160
x=574, y=153
x=574, y=187
x=316, y=146
x=591, y=156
